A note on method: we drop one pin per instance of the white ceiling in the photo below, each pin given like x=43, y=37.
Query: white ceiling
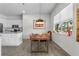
x=13, y=9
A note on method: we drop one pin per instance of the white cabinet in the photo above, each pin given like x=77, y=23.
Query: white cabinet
x=11, y=39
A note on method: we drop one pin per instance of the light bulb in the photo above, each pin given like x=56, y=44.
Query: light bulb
x=23, y=12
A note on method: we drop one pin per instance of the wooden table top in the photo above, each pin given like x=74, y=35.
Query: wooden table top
x=39, y=37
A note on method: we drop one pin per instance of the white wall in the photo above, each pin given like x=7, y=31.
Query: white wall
x=28, y=24
x=3, y=20
x=13, y=20
x=69, y=44
x=57, y=9
x=10, y=20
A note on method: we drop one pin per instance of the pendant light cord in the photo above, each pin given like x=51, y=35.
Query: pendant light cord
x=40, y=11
x=23, y=10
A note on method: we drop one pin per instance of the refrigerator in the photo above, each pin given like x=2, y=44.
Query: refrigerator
x=1, y=28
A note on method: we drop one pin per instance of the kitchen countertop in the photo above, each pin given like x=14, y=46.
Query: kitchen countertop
x=9, y=32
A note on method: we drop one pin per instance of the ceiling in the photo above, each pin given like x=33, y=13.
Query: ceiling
x=13, y=9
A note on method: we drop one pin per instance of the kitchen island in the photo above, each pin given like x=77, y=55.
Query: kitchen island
x=11, y=38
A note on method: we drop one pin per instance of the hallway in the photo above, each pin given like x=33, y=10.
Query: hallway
x=24, y=50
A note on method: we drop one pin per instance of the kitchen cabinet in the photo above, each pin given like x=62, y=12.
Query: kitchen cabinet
x=11, y=39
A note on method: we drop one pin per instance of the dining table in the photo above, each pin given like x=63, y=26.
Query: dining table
x=40, y=38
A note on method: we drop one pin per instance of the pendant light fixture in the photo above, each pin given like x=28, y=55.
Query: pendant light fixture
x=23, y=11
x=40, y=21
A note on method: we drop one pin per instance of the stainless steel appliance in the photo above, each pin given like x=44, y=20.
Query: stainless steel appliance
x=1, y=27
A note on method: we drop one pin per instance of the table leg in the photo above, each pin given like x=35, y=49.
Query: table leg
x=47, y=46
x=31, y=46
